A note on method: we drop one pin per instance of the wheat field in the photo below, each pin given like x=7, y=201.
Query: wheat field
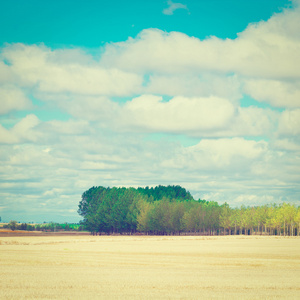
x=149, y=267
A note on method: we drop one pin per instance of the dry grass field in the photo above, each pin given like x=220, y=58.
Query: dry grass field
x=149, y=267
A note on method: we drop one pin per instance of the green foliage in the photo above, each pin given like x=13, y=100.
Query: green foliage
x=158, y=210
x=12, y=225
x=45, y=226
x=171, y=209
x=112, y=210
x=225, y=216
x=170, y=192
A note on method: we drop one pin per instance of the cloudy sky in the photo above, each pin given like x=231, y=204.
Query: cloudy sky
x=204, y=94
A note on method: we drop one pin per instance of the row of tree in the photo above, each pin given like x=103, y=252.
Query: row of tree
x=172, y=210
x=52, y=226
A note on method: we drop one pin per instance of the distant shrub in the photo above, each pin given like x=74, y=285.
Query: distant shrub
x=12, y=225
x=30, y=227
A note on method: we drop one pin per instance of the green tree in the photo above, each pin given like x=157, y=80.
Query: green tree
x=261, y=218
x=225, y=218
x=23, y=226
x=251, y=220
x=243, y=219
x=178, y=210
x=132, y=213
x=274, y=220
x=160, y=217
x=30, y=227
x=288, y=214
x=235, y=219
x=212, y=216
x=143, y=218
x=67, y=227
x=12, y=225
x=171, y=209
x=194, y=218
x=297, y=221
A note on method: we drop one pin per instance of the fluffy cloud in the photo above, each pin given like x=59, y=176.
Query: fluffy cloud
x=289, y=123
x=264, y=50
x=250, y=199
x=198, y=117
x=172, y=7
x=180, y=114
x=12, y=98
x=264, y=58
x=188, y=85
x=277, y=93
x=286, y=144
x=38, y=65
x=193, y=116
x=246, y=121
x=23, y=131
x=219, y=154
x=6, y=137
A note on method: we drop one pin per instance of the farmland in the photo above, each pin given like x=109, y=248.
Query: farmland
x=149, y=267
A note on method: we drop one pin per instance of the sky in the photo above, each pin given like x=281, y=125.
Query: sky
x=202, y=94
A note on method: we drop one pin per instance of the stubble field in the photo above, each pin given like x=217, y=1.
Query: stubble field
x=149, y=267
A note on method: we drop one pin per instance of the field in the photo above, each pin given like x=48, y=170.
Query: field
x=149, y=267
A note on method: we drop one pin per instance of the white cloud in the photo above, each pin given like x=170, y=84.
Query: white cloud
x=48, y=71
x=194, y=116
x=264, y=50
x=23, y=131
x=216, y=154
x=71, y=127
x=252, y=121
x=172, y=7
x=286, y=144
x=277, y=93
x=265, y=57
x=180, y=114
x=6, y=137
x=6, y=75
x=289, y=123
x=194, y=86
x=12, y=98
x=99, y=109
x=24, y=128
x=254, y=200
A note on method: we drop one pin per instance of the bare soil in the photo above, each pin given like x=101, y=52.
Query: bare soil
x=149, y=267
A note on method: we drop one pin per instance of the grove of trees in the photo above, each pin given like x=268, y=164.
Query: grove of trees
x=172, y=210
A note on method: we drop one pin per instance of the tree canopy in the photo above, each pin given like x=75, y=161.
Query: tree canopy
x=173, y=210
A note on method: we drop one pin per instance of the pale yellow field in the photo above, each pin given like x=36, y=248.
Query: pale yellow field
x=142, y=267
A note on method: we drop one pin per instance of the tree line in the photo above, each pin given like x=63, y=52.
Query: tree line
x=52, y=226
x=172, y=210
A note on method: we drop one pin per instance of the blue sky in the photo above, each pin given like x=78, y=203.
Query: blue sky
x=204, y=94
x=91, y=24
